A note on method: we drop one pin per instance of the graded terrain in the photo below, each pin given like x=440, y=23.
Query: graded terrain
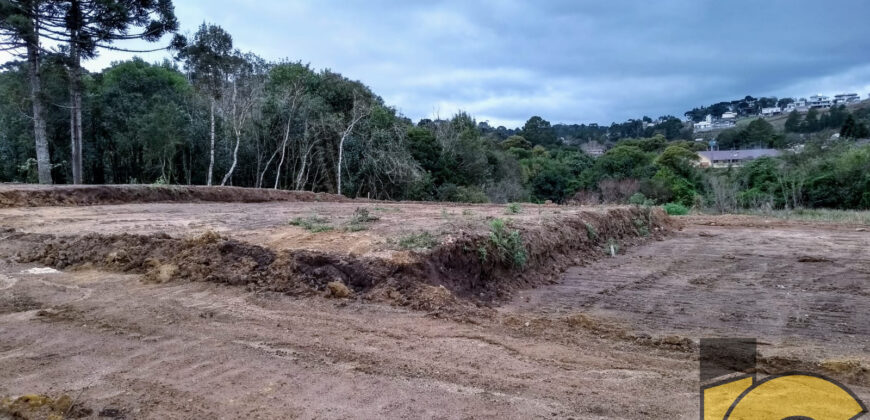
x=183, y=306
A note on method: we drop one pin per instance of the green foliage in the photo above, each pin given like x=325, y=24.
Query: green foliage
x=418, y=241
x=641, y=226
x=675, y=209
x=461, y=194
x=638, y=199
x=537, y=131
x=513, y=208
x=591, y=233
x=507, y=244
x=313, y=223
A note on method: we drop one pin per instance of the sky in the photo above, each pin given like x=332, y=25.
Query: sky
x=576, y=61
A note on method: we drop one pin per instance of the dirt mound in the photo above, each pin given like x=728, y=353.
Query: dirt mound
x=467, y=269
x=23, y=195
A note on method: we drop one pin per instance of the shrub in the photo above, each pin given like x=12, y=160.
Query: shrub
x=675, y=209
x=507, y=244
x=513, y=208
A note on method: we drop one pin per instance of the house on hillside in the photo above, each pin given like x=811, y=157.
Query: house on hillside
x=736, y=158
x=705, y=125
x=819, y=101
x=767, y=112
x=730, y=115
x=846, y=98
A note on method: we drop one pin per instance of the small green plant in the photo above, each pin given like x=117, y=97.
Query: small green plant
x=360, y=220
x=421, y=240
x=641, y=226
x=675, y=209
x=591, y=233
x=467, y=212
x=314, y=223
x=507, y=244
x=513, y=208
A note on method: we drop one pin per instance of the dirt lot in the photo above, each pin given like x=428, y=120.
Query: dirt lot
x=614, y=337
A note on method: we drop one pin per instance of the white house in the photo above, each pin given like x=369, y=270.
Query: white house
x=819, y=101
x=729, y=115
x=771, y=111
x=705, y=125
x=726, y=158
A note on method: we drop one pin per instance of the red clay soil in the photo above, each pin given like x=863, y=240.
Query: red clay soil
x=30, y=195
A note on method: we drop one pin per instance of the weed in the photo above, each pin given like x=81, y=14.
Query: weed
x=513, y=208
x=421, y=240
x=314, y=223
x=467, y=212
x=591, y=233
x=641, y=226
x=362, y=215
x=507, y=244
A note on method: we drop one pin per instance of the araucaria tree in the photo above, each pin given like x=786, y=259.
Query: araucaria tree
x=84, y=27
x=20, y=22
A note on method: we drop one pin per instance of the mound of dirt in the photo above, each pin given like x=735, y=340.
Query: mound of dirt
x=468, y=269
x=25, y=195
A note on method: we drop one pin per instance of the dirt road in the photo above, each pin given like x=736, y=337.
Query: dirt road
x=613, y=339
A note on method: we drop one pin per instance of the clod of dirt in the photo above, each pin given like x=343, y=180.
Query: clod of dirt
x=338, y=290
x=811, y=259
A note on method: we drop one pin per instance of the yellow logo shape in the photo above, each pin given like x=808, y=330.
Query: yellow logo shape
x=796, y=395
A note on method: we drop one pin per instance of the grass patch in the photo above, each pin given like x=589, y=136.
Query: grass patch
x=421, y=240
x=857, y=217
x=675, y=209
x=467, y=212
x=507, y=244
x=314, y=223
x=388, y=209
x=513, y=208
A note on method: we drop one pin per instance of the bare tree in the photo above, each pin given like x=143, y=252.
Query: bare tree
x=245, y=93
x=360, y=111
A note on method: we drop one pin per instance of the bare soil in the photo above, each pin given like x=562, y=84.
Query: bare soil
x=224, y=310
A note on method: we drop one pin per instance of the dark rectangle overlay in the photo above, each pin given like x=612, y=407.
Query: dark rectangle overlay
x=726, y=356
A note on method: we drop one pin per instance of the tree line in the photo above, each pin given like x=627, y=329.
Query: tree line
x=215, y=115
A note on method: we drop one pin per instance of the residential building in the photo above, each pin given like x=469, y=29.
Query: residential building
x=730, y=115
x=819, y=101
x=736, y=158
x=846, y=98
x=705, y=125
x=766, y=112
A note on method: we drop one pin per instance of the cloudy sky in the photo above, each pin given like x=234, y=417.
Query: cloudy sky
x=568, y=61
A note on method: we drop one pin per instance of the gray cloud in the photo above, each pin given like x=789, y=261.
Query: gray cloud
x=567, y=61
